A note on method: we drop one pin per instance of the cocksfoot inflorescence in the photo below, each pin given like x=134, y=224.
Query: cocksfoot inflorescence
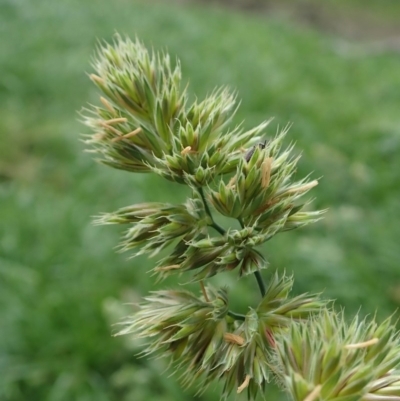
x=145, y=122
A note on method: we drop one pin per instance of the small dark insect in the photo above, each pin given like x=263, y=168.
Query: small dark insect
x=250, y=152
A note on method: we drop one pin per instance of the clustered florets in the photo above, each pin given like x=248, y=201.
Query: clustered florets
x=146, y=124
x=337, y=361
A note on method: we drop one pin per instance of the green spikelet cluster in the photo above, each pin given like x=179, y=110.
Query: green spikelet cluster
x=154, y=226
x=145, y=123
x=329, y=360
x=209, y=342
x=261, y=194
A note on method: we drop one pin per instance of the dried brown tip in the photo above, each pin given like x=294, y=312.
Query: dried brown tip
x=266, y=172
x=111, y=128
x=116, y=120
x=244, y=384
x=314, y=394
x=364, y=344
x=166, y=268
x=233, y=338
x=128, y=135
x=95, y=78
x=303, y=188
x=107, y=104
x=186, y=150
x=231, y=182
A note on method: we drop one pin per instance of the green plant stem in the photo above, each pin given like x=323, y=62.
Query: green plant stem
x=260, y=281
x=208, y=211
x=218, y=228
x=236, y=316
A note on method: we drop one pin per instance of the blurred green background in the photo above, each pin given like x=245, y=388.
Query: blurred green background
x=330, y=68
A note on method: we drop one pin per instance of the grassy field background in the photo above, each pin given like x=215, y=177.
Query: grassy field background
x=62, y=284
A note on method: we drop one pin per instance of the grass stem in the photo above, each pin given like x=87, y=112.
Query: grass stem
x=208, y=211
x=260, y=281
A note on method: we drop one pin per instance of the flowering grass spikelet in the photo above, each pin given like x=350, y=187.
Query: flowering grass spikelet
x=346, y=361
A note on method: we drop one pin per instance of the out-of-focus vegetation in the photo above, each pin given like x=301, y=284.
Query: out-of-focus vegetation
x=61, y=282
